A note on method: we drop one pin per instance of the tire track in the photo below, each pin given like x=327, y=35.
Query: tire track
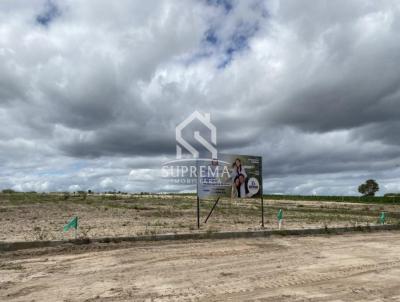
x=234, y=289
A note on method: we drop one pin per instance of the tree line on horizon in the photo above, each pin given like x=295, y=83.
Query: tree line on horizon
x=367, y=189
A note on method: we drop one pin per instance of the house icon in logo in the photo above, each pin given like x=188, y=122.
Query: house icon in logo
x=206, y=121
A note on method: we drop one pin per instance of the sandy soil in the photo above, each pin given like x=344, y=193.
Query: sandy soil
x=129, y=216
x=354, y=267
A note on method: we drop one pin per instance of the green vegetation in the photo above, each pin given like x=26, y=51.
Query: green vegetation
x=182, y=201
x=363, y=199
x=392, y=195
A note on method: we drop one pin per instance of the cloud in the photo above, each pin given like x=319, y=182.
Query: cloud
x=90, y=94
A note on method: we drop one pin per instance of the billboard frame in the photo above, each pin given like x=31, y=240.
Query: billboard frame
x=218, y=197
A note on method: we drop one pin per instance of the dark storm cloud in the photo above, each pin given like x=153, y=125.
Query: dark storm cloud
x=90, y=94
x=387, y=132
x=12, y=86
x=117, y=141
x=367, y=91
x=345, y=74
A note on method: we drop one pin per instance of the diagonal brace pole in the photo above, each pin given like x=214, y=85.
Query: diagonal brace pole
x=209, y=214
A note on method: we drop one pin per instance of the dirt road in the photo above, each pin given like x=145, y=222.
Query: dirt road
x=356, y=267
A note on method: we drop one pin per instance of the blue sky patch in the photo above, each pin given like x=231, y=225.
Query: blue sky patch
x=50, y=12
x=227, y=5
x=239, y=41
x=211, y=37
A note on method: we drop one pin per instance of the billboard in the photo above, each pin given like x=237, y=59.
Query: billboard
x=234, y=176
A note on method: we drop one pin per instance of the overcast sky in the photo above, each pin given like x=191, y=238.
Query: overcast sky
x=91, y=91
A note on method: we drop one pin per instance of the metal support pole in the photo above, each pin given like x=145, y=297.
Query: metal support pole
x=198, y=212
x=197, y=192
x=262, y=194
x=209, y=214
x=262, y=211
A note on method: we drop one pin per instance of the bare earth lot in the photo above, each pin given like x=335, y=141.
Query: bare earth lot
x=356, y=267
x=28, y=216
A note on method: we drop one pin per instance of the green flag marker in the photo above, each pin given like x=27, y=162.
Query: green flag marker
x=280, y=214
x=382, y=218
x=73, y=223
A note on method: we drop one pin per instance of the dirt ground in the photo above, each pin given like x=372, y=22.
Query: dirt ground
x=42, y=216
x=352, y=267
